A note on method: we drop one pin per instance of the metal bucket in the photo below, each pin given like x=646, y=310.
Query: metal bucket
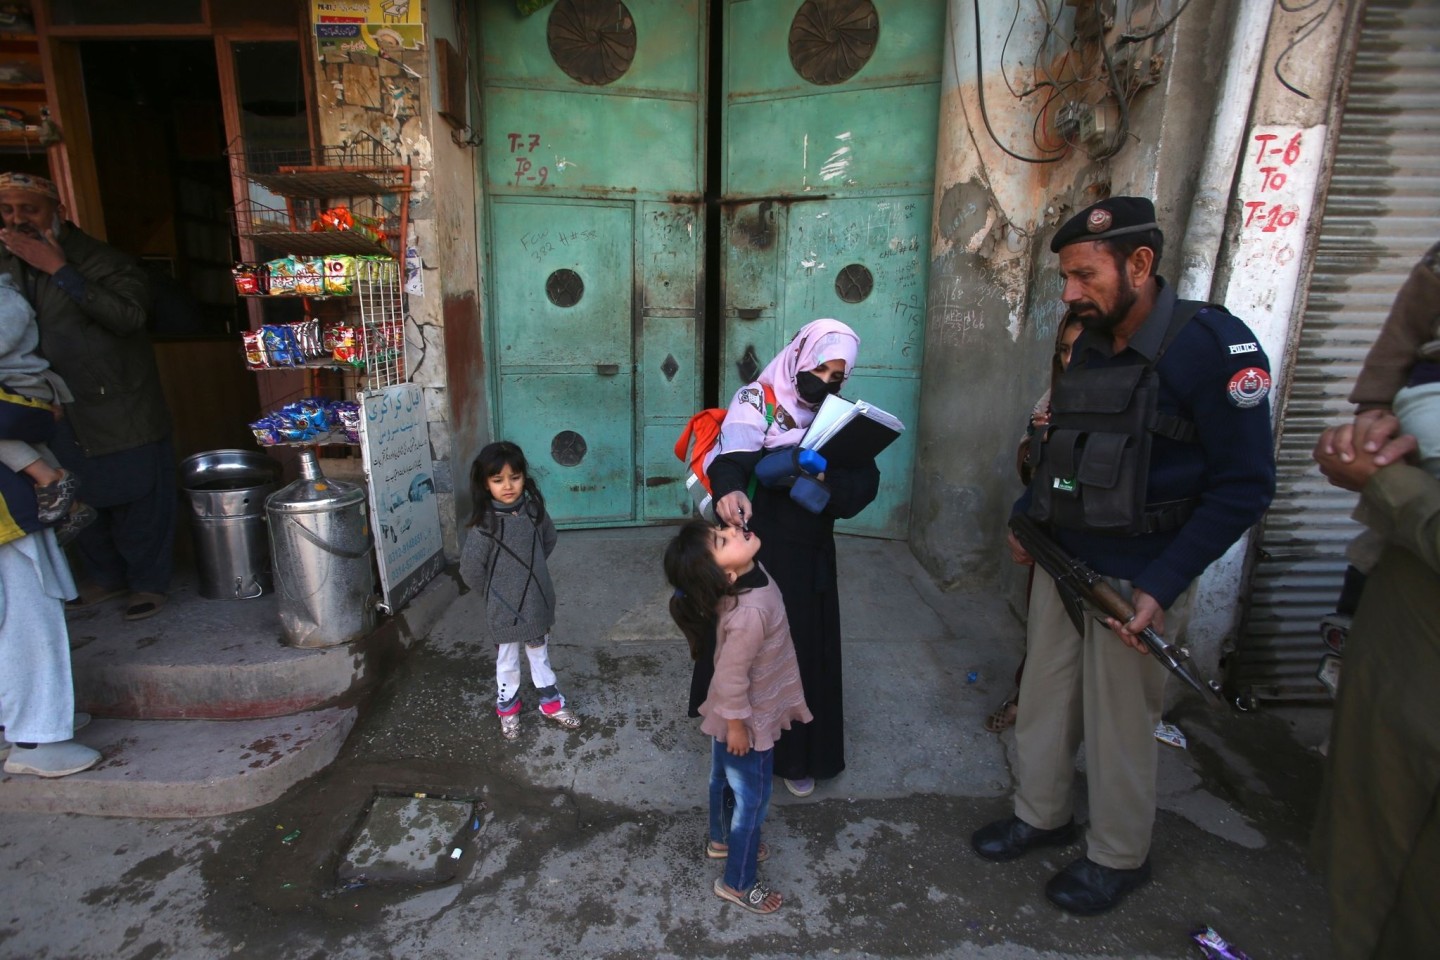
x=322, y=549
x=226, y=490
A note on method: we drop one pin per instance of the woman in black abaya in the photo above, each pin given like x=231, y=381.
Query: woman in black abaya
x=798, y=547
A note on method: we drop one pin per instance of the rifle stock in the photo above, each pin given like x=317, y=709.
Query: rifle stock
x=1076, y=581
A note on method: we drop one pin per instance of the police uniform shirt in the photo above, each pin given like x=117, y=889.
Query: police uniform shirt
x=1215, y=375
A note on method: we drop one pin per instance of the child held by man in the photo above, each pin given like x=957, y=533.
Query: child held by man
x=27, y=374
x=504, y=559
x=721, y=592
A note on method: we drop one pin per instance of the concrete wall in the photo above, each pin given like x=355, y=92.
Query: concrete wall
x=994, y=306
x=396, y=102
x=994, y=293
x=1263, y=266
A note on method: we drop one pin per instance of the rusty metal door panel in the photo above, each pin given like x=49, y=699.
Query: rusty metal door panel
x=905, y=46
x=575, y=430
x=668, y=37
x=590, y=144
x=670, y=350
x=563, y=352
x=863, y=140
x=829, y=171
x=599, y=125
x=786, y=134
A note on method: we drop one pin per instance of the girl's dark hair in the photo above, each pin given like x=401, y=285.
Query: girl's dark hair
x=700, y=585
x=493, y=458
x=1056, y=366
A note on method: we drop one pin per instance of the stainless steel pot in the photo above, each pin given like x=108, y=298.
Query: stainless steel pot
x=226, y=490
x=323, y=556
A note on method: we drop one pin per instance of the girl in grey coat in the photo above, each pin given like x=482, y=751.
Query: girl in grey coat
x=504, y=559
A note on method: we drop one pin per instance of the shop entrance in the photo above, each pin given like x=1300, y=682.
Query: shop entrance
x=148, y=123
x=672, y=190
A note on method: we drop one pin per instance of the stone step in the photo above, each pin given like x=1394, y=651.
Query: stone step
x=224, y=659
x=186, y=768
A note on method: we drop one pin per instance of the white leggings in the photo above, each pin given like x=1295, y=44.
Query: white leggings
x=507, y=673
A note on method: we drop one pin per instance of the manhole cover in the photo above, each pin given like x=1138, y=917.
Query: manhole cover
x=413, y=839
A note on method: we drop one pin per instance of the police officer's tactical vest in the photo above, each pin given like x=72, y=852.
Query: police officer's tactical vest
x=1093, y=465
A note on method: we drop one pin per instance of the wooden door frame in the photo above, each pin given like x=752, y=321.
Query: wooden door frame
x=72, y=159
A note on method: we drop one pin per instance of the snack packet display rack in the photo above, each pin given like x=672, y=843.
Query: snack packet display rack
x=337, y=217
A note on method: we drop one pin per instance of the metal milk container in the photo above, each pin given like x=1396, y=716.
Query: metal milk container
x=322, y=556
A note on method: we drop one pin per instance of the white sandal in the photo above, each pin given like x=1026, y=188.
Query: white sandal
x=566, y=717
x=510, y=725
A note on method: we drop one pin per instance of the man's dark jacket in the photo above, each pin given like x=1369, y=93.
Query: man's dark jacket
x=97, y=341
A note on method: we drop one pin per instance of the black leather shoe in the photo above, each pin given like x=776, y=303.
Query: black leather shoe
x=1086, y=888
x=1009, y=838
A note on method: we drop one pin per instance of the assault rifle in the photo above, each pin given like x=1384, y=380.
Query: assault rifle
x=1077, y=582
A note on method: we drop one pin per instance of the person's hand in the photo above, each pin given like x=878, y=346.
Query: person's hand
x=1374, y=431
x=42, y=252
x=1018, y=553
x=733, y=509
x=1148, y=613
x=737, y=738
x=1350, y=454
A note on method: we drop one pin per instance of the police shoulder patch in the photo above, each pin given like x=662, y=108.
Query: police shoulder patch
x=1248, y=387
x=1238, y=348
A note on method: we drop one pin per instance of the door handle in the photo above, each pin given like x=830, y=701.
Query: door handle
x=607, y=369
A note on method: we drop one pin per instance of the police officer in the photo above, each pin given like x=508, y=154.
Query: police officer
x=1158, y=458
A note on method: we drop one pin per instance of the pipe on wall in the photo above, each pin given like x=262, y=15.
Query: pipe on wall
x=1206, y=224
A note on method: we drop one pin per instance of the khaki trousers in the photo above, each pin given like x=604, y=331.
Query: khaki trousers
x=1096, y=689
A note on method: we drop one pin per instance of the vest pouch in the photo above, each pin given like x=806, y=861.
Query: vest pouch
x=1094, y=464
x=1107, y=479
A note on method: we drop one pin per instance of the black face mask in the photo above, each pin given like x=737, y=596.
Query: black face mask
x=812, y=389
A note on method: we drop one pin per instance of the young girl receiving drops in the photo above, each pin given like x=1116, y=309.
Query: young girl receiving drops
x=504, y=558
x=722, y=592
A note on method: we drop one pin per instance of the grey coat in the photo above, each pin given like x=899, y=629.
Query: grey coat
x=507, y=565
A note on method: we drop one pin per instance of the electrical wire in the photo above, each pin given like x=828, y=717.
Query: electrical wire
x=1302, y=34
x=980, y=94
x=1133, y=38
x=1121, y=99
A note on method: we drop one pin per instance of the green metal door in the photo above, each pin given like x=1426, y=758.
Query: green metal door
x=831, y=110
x=591, y=167
x=595, y=122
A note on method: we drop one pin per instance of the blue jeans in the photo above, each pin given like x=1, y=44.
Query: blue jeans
x=747, y=781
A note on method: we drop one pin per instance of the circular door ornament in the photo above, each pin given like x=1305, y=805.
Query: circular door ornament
x=593, y=41
x=568, y=448
x=831, y=40
x=564, y=288
x=854, y=283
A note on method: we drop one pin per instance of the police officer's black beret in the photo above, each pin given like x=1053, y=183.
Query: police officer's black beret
x=1114, y=217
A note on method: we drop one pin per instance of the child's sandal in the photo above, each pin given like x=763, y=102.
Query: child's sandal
x=566, y=717
x=719, y=851
x=510, y=725
x=756, y=900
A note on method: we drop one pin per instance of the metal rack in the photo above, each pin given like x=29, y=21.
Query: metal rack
x=364, y=176
x=366, y=179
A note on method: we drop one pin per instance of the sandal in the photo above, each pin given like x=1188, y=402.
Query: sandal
x=719, y=851
x=141, y=606
x=566, y=717
x=754, y=900
x=1003, y=718
x=510, y=725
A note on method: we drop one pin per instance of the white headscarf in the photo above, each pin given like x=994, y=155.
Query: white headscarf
x=819, y=341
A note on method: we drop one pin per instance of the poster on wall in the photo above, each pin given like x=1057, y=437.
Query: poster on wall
x=406, y=515
x=385, y=29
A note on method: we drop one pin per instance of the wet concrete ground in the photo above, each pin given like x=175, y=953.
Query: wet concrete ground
x=591, y=843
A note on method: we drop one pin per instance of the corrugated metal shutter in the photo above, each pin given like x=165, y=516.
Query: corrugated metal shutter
x=1382, y=214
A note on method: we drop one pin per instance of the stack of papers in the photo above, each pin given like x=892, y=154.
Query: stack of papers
x=849, y=434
